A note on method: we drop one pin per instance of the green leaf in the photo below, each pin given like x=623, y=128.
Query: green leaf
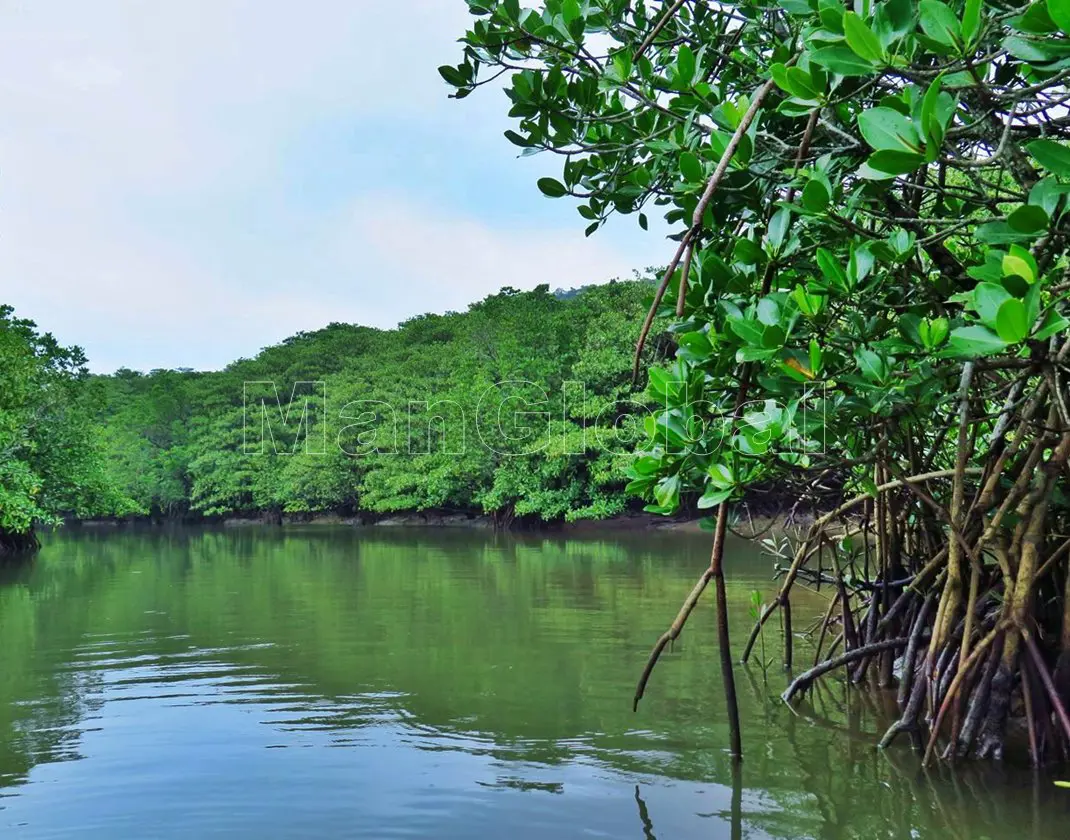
x=940, y=23
x=860, y=264
x=1012, y=325
x=552, y=188
x=1028, y=219
x=749, y=330
x=933, y=332
x=779, y=72
x=1053, y=323
x=721, y=476
x=987, y=298
x=1018, y=261
x=768, y=312
x=1036, y=20
x=747, y=251
x=754, y=354
x=667, y=492
x=713, y=498
x=661, y=385
x=778, y=228
x=1035, y=52
x=832, y=269
x=830, y=12
x=893, y=163
x=860, y=38
x=802, y=85
x=873, y=366
x=1046, y=194
x=452, y=76
x=975, y=341
x=1060, y=13
x=1032, y=304
x=1053, y=156
x=971, y=20
x=816, y=356
x=930, y=120
x=886, y=129
x=795, y=107
x=773, y=337
x=691, y=168
x=685, y=66
x=998, y=233
x=899, y=15
x=809, y=305
x=620, y=69
x=910, y=328
x=842, y=60
x=815, y=196
x=516, y=139
x=695, y=347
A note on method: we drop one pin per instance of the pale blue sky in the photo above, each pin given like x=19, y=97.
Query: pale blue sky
x=185, y=181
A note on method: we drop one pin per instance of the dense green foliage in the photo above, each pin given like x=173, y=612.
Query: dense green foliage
x=182, y=442
x=870, y=287
x=51, y=456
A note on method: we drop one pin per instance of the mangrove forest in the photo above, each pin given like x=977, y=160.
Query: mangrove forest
x=867, y=282
x=767, y=538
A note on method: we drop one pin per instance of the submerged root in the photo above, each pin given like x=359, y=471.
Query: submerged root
x=670, y=635
x=951, y=586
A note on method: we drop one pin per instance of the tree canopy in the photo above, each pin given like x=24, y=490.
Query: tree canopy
x=51, y=456
x=361, y=421
x=868, y=279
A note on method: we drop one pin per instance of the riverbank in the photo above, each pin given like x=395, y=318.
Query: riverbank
x=632, y=521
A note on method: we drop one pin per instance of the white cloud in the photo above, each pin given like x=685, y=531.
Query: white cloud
x=157, y=205
x=403, y=249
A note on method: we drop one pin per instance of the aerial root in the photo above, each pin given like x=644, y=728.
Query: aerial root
x=671, y=634
x=951, y=587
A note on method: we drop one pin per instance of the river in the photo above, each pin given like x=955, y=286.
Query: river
x=385, y=683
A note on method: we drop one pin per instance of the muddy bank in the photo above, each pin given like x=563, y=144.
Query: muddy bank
x=414, y=519
x=629, y=521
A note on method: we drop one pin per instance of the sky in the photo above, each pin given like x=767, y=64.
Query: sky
x=183, y=182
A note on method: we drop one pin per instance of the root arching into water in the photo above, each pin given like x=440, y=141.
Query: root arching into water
x=951, y=583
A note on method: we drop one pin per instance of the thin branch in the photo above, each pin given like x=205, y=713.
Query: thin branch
x=685, y=273
x=657, y=29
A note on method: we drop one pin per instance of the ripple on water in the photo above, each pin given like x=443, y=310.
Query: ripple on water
x=434, y=686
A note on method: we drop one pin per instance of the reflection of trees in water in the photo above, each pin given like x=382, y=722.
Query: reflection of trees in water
x=41, y=706
x=518, y=648
x=46, y=729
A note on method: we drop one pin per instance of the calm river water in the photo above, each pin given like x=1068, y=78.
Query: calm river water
x=340, y=683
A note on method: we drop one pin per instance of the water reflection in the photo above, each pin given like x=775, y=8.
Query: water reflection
x=326, y=683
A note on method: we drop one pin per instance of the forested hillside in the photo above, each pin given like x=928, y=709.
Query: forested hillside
x=506, y=409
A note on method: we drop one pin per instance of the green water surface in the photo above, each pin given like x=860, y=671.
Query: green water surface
x=417, y=683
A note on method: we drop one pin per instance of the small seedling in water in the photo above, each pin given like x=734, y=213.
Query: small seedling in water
x=756, y=609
